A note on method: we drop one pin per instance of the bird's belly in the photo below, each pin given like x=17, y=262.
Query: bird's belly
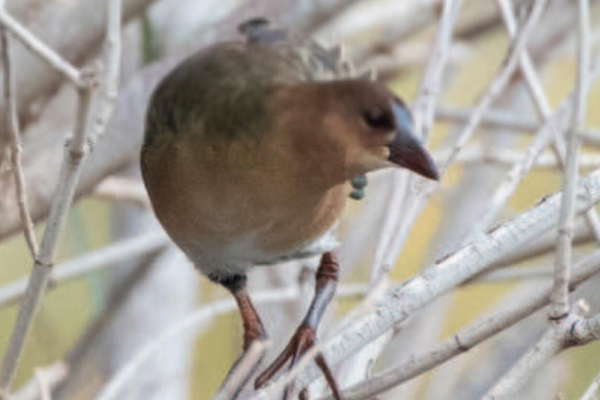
x=220, y=235
x=251, y=249
x=263, y=241
x=231, y=220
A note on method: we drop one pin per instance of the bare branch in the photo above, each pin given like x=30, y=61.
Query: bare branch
x=549, y=345
x=12, y=128
x=65, y=190
x=543, y=137
x=198, y=318
x=122, y=189
x=52, y=376
x=44, y=260
x=242, y=371
x=112, y=64
x=560, y=297
x=39, y=48
x=109, y=256
x=479, y=331
x=508, y=120
x=423, y=112
x=592, y=390
x=549, y=134
x=400, y=303
x=478, y=155
x=572, y=330
x=500, y=81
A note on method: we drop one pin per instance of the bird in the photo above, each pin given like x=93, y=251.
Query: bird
x=250, y=148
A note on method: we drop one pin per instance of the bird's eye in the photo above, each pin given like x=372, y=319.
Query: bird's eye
x=377, y=118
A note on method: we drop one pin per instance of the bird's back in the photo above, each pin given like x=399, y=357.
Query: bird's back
x=224, y=86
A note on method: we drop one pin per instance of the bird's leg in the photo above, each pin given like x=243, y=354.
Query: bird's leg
x=305, y=336
x=253, y=327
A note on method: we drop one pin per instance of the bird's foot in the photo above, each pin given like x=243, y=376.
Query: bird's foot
x=300, y=343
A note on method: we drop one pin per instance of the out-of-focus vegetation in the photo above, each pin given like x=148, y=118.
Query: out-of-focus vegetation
x=67, y=309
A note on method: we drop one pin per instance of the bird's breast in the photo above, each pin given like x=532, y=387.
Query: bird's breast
x=253, y=211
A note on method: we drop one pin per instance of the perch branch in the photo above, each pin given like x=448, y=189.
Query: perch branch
x=472, y=259
x=112, y=63
x=129, y=370
x=44, y=260
x=243, y=370
x=464, y=340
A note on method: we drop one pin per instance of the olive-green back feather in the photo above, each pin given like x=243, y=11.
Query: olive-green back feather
x=221, y=91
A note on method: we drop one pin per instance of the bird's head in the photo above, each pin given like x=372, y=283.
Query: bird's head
x=361, y=123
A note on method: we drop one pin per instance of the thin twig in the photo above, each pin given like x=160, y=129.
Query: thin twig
x=472, y=259
x=572, y=330
x=592, y=390
x=41, y=50
x=112, y=63
x=109, y=256
x=242, y=371
x=76, y=150
x=127, y=190
x=469, y=337
x=53, y=375
x=550, y=344
x=198, y=318
x=507, y=120
x=516, y=274
x=548, y=134
x=560, y=297
x=423, y=112
x=500, y=81
x=12, y=127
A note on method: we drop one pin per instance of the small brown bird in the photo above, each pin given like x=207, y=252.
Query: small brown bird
x=248, y=153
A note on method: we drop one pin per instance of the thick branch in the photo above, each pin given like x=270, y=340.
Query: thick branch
x=477, y=332
x=401, y=303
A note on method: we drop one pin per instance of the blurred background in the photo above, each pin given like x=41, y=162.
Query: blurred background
x=100, y=319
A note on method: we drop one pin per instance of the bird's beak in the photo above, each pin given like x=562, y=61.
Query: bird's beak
x=406, y=149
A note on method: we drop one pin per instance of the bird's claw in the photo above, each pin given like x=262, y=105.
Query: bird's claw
x=302, y=341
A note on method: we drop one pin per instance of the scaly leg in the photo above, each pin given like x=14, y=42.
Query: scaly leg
x=253, y=327
x=305, y=336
